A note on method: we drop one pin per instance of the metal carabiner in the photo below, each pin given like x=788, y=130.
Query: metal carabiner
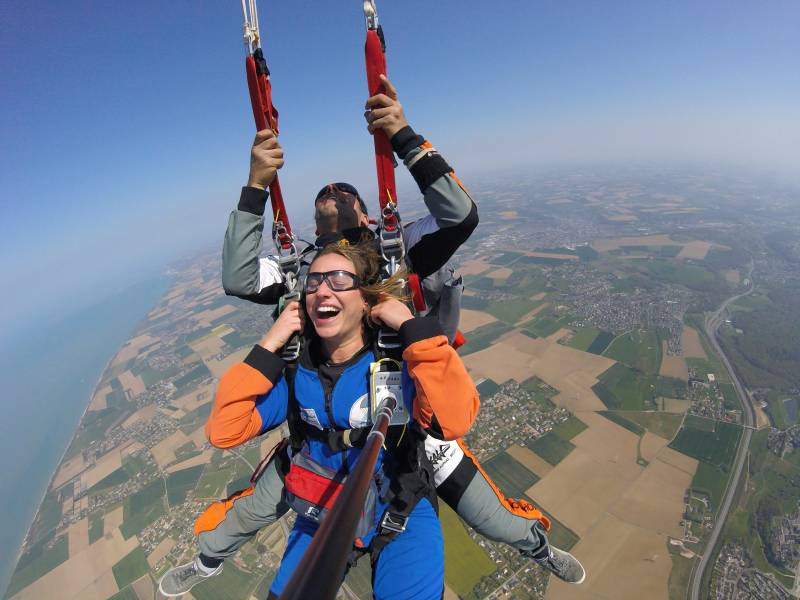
x=371, y=14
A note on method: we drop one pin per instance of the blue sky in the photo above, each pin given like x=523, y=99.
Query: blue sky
x=126, y=126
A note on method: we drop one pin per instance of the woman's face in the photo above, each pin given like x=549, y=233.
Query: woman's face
x=335, y=314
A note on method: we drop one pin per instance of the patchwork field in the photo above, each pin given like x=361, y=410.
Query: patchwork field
x=692, y=347
x=620, y=491
x=86, y=574
x=517, y=356
x=472, y=319
x=673, y=366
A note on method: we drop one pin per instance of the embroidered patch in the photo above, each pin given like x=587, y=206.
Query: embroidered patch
x=310, y=416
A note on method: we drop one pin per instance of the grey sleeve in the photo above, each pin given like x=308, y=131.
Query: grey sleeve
x=244, y=273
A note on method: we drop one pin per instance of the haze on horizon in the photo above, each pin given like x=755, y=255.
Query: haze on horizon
x=127, y=131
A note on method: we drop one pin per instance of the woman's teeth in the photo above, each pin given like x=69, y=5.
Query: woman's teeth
x=327, y=312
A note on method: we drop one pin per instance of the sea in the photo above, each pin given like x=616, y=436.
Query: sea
x=48, y=376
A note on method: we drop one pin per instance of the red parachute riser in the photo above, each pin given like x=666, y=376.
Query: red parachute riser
x=266, y=116
x=384, y=158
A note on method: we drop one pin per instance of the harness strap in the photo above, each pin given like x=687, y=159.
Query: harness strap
x=266, y=116
x=374, y=53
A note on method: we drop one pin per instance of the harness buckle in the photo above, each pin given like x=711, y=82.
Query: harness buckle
x=394, y=522
x=389, y=340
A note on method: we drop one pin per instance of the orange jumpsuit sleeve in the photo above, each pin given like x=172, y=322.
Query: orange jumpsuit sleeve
x=236, y=416
x=446, y=401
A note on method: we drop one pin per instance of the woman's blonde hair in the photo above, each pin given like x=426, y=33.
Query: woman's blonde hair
x=367, y=262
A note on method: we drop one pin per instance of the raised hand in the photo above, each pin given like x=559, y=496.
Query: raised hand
x=384, y=111
x=266, y=157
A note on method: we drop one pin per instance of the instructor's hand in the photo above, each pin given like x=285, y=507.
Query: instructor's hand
x=390, y=313
x=384, y=111
x=289, y=322
x=266, y=157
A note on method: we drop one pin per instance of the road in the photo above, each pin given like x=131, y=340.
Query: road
x=711, y=326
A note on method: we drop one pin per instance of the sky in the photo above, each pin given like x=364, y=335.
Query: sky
x=126, y=125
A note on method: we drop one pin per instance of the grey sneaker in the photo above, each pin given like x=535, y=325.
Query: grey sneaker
x=179, y=580
x=563, y=565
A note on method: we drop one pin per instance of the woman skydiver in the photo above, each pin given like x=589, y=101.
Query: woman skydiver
x=342, y=302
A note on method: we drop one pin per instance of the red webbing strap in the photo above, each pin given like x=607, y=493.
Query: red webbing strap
x=384, y=157
x=266, y=116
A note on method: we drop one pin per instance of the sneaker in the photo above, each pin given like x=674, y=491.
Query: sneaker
x=179, y=580
x=563, y=565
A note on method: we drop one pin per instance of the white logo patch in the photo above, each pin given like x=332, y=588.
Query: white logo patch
x=310, y=416
x=359, y=412
x=444, y=456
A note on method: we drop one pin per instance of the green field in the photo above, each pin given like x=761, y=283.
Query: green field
x=711, y=481
x=96, y=527
x=35, y=564
x=92, y=428
x=569, y=428
x=465, y=563
x=487, y=388
x=716, y=447
x=700, y=423
x=512, y=310
x=619, y=419
x=130, y=568
x=583, y=338
x=639, y=349
x=196, y=418
x=512, y=478
x=142, y=508
x=187, y=451
x=232, y=584
x=621, y=387
x=559, y=535
x=546, y=323
x=679, y=574
x=663, y=424
x=551, y=448
x=670, y=387
x=181, y=482
x=541, y=392
x=134, y=465
x=199, y=372
x=601, y=342
x=125, y=594
x=115, y=478
x=483, y=337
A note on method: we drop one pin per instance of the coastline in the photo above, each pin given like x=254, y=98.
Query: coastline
x=64, y=453
x=95, y=326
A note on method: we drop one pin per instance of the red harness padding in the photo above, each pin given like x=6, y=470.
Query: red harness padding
x=384, y=158
x=266, y=115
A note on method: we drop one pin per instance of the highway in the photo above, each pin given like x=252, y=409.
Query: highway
x=711, y=325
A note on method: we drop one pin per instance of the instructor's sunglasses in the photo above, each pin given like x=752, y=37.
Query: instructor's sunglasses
x=338, y=281
x=333, y=188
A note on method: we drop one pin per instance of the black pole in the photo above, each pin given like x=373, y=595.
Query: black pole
x=322, y=567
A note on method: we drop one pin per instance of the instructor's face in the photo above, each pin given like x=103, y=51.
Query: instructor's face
x=337, y=210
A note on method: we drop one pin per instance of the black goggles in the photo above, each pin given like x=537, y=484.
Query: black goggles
x=332, y=188
x=338, y=281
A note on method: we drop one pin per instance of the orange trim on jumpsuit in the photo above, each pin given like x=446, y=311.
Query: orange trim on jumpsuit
x=215, y=514
x=521, y=508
